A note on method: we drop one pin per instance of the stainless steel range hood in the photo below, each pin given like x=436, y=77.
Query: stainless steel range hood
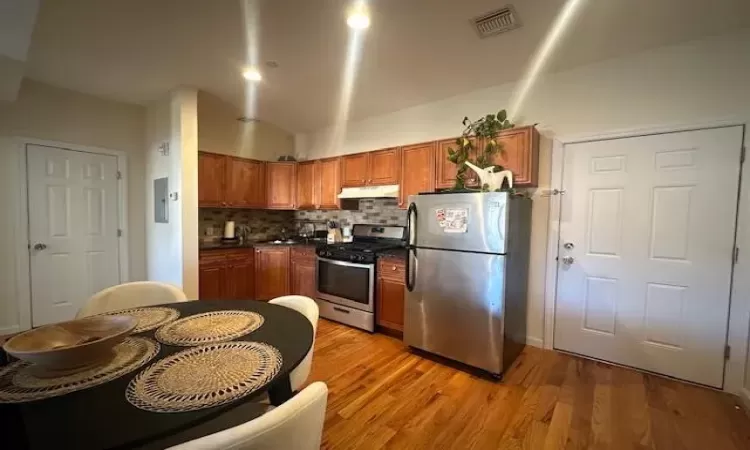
x=388, y=191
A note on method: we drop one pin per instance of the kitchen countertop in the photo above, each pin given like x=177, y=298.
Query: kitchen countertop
x=204, y=246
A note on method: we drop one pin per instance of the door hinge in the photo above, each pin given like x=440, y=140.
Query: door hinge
x=119, y=175
x=727, y=351
x=119, y=232
x=742, y=154
x=736, y=255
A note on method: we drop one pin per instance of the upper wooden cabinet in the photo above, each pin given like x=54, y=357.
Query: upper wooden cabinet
x=271, y=272
x=318, y=184
x=445, y=171
x=420, y=176
x=282, y=185
x=384, y=167
x=354, y=170
x=211, y=179
x=308, y=184
x=329, y=171
x=520, y=155
x=246, y=183
x=371, y=168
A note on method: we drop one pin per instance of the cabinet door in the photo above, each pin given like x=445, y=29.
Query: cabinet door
x=384, y=167
x=271, y=272
x=390, y=304
x=445, y=171
x=246, y=183
x=239, y=278
x=303, y=278
x=329, y=183
x=418, y=171
x=211, y=179
x=211, y=280
x=282, y=185
x=308, y=185
x=520, y=155
x=354, y=170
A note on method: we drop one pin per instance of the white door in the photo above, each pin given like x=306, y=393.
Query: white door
x=72, y=229
x=649, y=224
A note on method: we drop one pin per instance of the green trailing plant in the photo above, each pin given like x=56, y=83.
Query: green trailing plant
x=483, y=131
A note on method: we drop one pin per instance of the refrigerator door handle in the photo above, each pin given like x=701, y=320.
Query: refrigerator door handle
x=411, y=243
x=410, y=279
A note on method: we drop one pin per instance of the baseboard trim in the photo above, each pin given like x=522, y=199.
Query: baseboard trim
x=745, y=399
x=4, y=331
x=534, y=341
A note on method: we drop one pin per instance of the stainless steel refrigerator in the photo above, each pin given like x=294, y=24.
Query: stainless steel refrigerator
x=466, y=277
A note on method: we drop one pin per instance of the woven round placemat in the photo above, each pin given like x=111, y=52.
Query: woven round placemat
x=18, y=383
x=209, y=328
x=205, y=376
x=149, y=318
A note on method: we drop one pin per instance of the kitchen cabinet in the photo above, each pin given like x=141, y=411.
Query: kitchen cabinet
x=329, y=171
x=354, y=170
x=303, y=272
x=211, y=179
x=384, y=167
x=281, y=185
x=240, y=274
x=371, y=169
x=308, y=184
x=246, y=183
x=226, y=274
x=389, y=308
x=271, y=272
x=418, y=171
x=520, y=155
x=445, y=171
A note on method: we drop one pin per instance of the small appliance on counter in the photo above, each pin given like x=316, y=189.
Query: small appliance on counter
x=334, y=232
x=229, y=235
x=345, y=274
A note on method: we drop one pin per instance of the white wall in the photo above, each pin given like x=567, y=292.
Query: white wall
x=688, y=83
x=172, y=248
x=219, y=131
x=45, y=112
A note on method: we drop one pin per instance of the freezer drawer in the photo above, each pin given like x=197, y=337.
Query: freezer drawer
x=456, y=306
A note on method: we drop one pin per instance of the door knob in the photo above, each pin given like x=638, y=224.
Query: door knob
x=568, y=260
x=40, y=246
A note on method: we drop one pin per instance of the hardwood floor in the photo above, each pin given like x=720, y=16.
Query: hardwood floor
x=384, y=397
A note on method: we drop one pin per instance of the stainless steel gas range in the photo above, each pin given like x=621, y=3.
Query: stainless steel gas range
x=345, y=274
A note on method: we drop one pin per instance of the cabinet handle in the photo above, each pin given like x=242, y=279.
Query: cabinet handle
x=393, y=268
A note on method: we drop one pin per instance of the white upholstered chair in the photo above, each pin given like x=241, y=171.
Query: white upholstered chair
x=295, y=425
x=308, y=308
x=131, y=295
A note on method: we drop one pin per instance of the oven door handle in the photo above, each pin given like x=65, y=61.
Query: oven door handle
x=345, y=263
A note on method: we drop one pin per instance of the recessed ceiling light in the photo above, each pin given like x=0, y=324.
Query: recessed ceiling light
x=252, y=74
x=359, y=20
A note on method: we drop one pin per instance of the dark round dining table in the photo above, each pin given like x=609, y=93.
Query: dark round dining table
x=101, y=418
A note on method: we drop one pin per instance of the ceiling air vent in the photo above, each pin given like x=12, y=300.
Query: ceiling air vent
x=496, y=22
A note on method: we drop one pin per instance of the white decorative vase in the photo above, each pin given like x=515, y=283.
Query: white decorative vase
x=493, y=180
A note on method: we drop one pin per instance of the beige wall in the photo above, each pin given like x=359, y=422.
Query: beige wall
x=50, y=113
x=172, y=247
x=219, y=131
x=681, y=84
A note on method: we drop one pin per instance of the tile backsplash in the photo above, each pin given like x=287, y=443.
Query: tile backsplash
x=269, y=224
x=383, y=211
x=263, y=224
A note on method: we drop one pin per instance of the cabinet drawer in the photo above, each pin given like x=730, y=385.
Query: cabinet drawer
x=392, y=268
x=303, y=252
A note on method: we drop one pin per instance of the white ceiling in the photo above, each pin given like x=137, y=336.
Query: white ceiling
x=416, y=51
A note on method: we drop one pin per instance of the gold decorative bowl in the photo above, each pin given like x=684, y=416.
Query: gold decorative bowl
x=71, y=346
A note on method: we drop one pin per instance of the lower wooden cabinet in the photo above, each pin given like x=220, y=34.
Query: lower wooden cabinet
x=271, y=272
x=226, y=275
x=303, y=271
x=389, y=310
